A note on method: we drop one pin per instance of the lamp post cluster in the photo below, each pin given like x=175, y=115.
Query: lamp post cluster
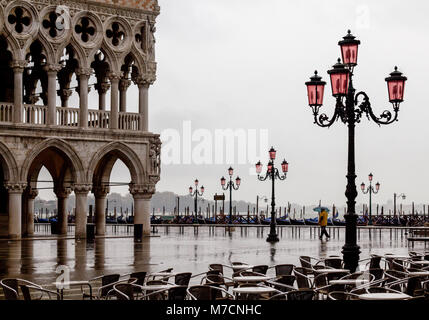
x=349, y=108
x=231, y=186
x=272, y=173
x=195, y=193
x=370, y=189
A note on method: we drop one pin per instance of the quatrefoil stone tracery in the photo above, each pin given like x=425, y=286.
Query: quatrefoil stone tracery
x=116, y=34
x=85, y=29
x=20, y=18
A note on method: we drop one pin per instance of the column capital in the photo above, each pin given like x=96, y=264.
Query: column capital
x=52, y=68
x=101, y=191
x=142, y=191
x=114, y=76
x=15, y=187
x=18, y=65
x=62, y=192
x=81, y=188
x=84, y=72
x=146, y=81
x=102, y=87
x=65, y=93
x=32, y=193
x=124, y=84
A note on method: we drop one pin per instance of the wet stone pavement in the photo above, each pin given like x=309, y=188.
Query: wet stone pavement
x=184, y=250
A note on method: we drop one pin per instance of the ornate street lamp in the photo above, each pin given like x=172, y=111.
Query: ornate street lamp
x=371, y=191
x=349, y=108
x=273, y=174
x=195, y=194
x=231, y=186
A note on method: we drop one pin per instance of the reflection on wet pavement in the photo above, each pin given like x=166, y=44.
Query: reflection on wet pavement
x=37, y=260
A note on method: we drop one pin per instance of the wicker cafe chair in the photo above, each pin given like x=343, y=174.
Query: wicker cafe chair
x=11, y=288
x=284, y=269
x=336, y=263
x=261, y=269
x=301, y=295
x=182, y=279
x=283, y=283
x=205, y=292
x=121, y=288
x=342, y=295
x=302, y=280
x=107, y=282
x=216, y=266
x=155, y=294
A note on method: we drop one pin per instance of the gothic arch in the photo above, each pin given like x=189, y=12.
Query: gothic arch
x=8, y=164
x=80, y=53
x=77, y=170
x=48, y=50
x=102, y=162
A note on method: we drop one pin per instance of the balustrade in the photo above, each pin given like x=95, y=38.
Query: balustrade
x=67, y=117
x=6, y=112
x=34, y=114
x=129, y=121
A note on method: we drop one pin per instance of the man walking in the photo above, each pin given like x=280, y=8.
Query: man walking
x=323, y=222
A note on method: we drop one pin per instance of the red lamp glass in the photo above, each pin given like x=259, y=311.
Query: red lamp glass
x=349, y=49
x=190, y=189
x=315, y=90
x=258, y=167
x=395, y=86
x=272, y=153
x=340, y=77
x=238, y=181
x=230, y=171
x=362, y=186
x=270, y=166
x=370, y=177
x=196, y=182
x=377, y=186
x=285, y=166
x=202, y=189
x=222, y=181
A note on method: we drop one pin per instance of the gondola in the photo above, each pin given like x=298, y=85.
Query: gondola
x=338, y=222
x=297, y=222
x=283, y=220
x=312, y=221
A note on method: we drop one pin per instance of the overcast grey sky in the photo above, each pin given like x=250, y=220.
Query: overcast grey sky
x=242, y=64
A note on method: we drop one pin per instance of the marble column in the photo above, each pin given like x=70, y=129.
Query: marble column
x=83, y=75
x=31, y=195
x=15, y=209
x=114, y=82
x=123, y=87
x=143, y=86
x=102, y=88
x=52, y=70
x=142, y=196
x=18, y=69
x=64, y=96
x=100, y=194
x=81, y=194
x=62, y=196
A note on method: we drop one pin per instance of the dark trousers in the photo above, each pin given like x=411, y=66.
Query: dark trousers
x=324, y=232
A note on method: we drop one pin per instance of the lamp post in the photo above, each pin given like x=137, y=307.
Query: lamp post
x=371, y=191
x=402, y=195
x=273, y=174
x=230, y=185
x=349, y=109
x=195, y=194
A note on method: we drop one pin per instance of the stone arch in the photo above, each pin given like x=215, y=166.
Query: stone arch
x=61, y=148
x=48, y=50
x=8, y=164
x=13, y=46
x=137, y=58
x=80, y=53
x=111, y=58
x=102, y=163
